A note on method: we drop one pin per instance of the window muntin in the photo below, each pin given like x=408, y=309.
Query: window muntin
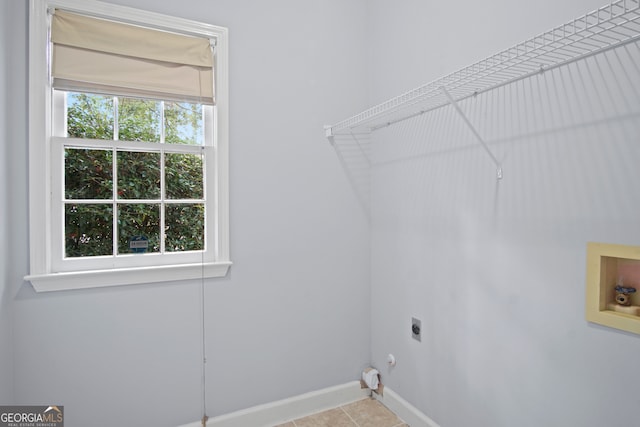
x=138, y=199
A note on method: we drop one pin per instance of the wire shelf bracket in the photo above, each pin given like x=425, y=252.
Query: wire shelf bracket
x=606, y=28
x=473, y=130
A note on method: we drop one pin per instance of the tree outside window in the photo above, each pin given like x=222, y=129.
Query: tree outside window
x=148, y=195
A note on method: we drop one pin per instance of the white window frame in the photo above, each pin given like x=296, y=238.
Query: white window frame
x=45, y=271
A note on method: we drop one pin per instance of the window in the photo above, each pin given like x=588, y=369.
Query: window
x=128, y=157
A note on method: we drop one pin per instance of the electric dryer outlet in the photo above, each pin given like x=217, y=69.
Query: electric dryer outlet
x=416, y=328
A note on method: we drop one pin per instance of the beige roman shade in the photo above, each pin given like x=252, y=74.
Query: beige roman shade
x=101, y=56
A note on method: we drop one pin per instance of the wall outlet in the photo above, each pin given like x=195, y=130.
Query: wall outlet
x=416, y=329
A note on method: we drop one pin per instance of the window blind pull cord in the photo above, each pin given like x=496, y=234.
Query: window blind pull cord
x=473, y=130
x=205, y=418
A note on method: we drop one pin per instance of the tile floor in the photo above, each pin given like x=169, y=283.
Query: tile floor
x=362, y=413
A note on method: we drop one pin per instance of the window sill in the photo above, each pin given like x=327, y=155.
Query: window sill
x=125, y=276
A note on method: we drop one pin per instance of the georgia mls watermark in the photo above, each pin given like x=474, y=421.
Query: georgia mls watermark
x=32, y=416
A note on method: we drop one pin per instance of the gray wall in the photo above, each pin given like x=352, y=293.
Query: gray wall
x=496, y=271
x=11, y=107
x=6, y=383
x=292, y=315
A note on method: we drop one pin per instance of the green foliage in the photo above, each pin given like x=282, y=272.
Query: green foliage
x=180, y=219
x=183, y=176
x=183, y=123
x=138, y=220
x=88, y=230
x=88, y=173
x=139, y=120
x=90, y=116
x=138, y=175
x=89, y=176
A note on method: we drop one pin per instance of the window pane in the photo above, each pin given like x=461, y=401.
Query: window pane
x=139, y=120
x=89, y=116
x=183, y=176
x=88, y=174
x=183, y=123
x=88, y=230
x=138, y=223
x=138, y=175
x=184, y=229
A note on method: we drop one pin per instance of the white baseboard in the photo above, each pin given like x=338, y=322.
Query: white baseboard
x=403, y=409
x=281, y=411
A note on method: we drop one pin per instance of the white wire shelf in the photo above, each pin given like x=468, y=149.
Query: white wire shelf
x=608, y=27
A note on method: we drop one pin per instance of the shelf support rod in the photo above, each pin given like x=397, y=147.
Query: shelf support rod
x=473, y=130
